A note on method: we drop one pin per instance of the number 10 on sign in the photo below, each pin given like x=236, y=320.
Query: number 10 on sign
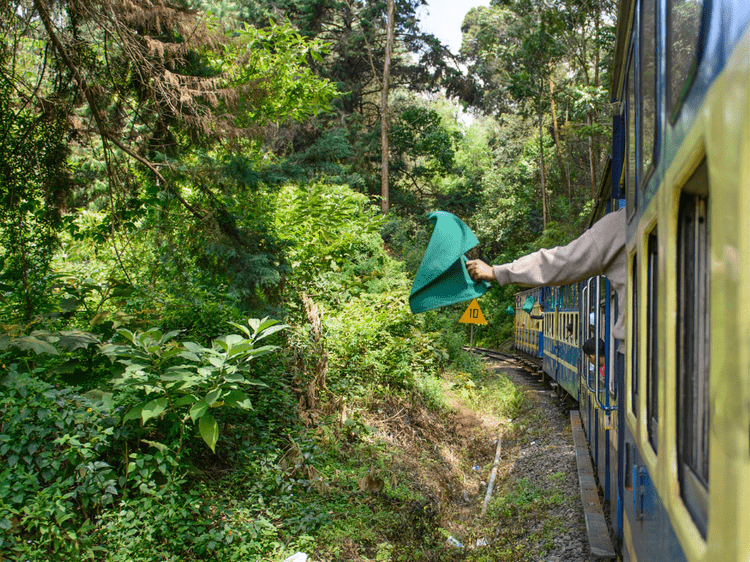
x=473, y=315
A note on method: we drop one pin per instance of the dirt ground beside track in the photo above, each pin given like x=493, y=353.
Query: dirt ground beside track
x=449, y=460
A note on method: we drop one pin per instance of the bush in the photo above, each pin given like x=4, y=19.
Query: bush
x=52, y=445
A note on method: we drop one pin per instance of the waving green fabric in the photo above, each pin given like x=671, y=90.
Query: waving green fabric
x=528, y=304
x=442, y=278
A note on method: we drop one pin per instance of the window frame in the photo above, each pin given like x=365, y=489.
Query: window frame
x=631, y=166
x=652, y=338
x=643, y=174
x=692, y=342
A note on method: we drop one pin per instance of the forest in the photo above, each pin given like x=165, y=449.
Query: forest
x=212, y=213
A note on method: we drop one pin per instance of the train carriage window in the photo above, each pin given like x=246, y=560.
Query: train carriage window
x=630, y=190
x=647, y=90
x=693, y=346
x=652, y=338
x=684, y=40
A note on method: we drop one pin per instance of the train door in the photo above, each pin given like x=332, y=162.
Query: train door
x=598, y=389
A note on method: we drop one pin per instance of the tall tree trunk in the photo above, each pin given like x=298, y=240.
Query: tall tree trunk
x=597, y=43
x=597, y=51
x=384, y=189
x=592, y=161
x=555, y=131
x=541, y=153
x=589, y=121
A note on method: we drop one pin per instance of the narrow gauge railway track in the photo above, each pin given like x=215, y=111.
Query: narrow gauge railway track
x=524, y=362
x=561, y=448
x=529, y=364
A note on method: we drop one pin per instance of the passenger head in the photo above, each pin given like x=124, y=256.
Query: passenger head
x=589, y=348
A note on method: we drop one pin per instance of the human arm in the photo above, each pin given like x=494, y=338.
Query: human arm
x=594, y=252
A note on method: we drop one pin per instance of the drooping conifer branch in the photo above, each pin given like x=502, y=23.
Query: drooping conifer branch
x=104, y=131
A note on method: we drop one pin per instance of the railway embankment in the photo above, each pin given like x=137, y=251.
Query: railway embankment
x=431, y=470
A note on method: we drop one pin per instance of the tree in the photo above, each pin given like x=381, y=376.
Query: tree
x=391, y=24
x=34, y=183
x=526, y=56
x=357, y=32
x=152, y=91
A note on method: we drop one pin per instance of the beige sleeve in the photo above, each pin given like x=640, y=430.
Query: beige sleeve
x=592, y=253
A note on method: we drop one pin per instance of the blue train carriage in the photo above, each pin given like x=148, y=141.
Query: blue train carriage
x=562, y=336
x=528, y=323
x=681, y=88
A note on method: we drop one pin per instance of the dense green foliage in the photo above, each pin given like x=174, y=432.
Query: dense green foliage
x=199, y=298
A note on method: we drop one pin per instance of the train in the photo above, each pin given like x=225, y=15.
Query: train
x=667, y=417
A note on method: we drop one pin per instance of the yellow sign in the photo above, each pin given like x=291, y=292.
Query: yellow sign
x=473, y=314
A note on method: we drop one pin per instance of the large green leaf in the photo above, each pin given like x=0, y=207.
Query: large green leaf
x=154, y=408
x=264, y=333
x=234, y=377
x=75, y=339
x=213, y=396
x=198, y=409
x=238, y=399
x=32, y=343
x=185, y=400
x=193, y=347
x=209, y=430
x=133, y=414
x=217, y=362
x=233, y=339
x=238, y=348
x=127, y=334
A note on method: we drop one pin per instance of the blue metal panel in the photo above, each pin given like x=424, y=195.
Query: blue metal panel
x=603, y=453
x=653, y=537
x=541, y=344
x=584, y=408
x=618, y=470
x=567, y=376
x=618, y=149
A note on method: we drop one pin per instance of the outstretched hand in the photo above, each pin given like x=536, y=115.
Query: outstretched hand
x=479, y=270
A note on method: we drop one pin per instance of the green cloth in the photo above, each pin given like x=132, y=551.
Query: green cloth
x=442, y=278
x=528, y=304
x=510, y=311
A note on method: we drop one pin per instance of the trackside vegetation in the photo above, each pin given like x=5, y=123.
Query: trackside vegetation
x=134, y=443
x=206, y=346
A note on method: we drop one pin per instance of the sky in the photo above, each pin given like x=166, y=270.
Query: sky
x=443, y=19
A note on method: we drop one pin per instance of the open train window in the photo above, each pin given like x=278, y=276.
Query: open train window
x=684, y=40
x=634, y=340
x=652, y=338
x=631, y=192
x=693, y=346
x=647, y=128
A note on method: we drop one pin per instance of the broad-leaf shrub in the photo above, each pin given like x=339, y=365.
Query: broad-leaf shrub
x=376, y=340
x=330, y=225
x=54, y=477
x=184, y=381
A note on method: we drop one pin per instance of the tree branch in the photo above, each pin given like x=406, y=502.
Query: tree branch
x=104, y=132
